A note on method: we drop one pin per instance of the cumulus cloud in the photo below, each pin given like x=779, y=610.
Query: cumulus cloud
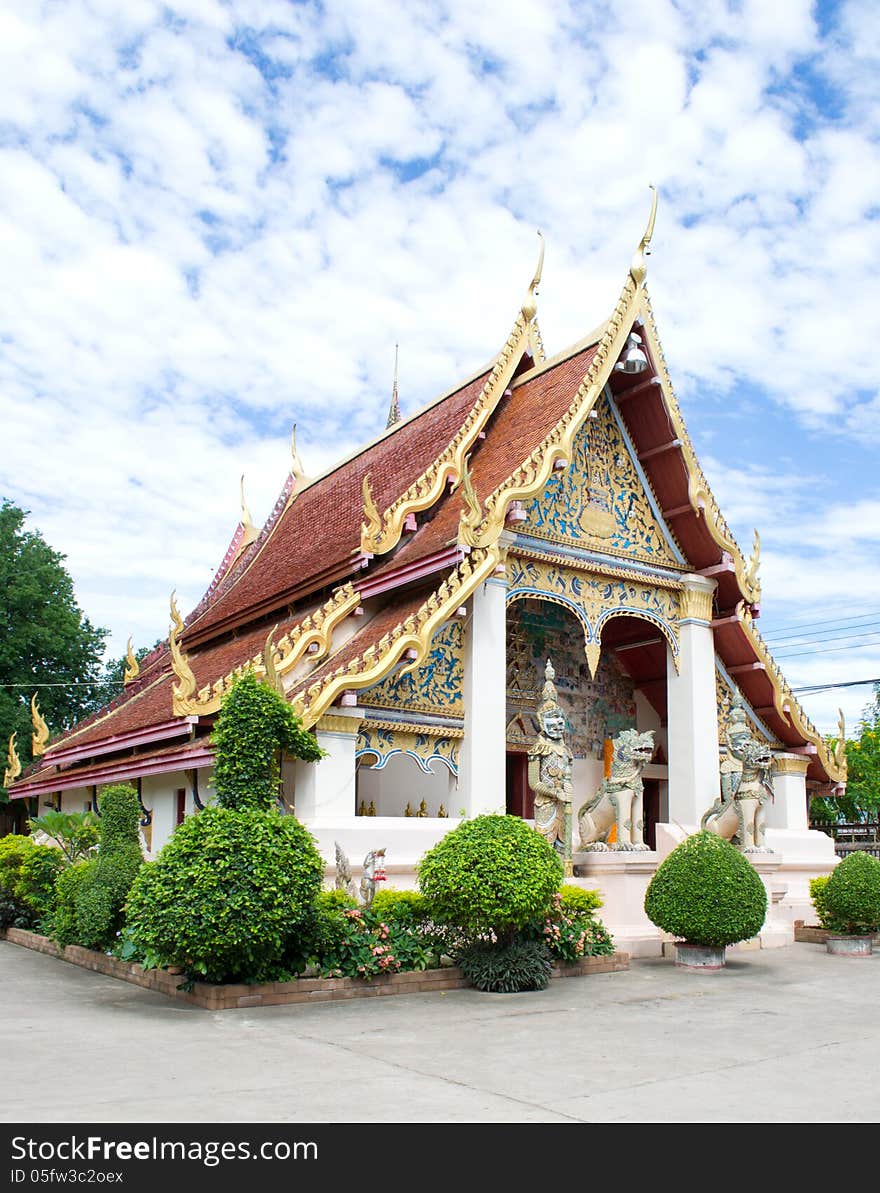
x=217, y=219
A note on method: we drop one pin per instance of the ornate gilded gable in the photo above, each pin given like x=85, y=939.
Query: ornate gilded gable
x=434, y=688
x=599, y=501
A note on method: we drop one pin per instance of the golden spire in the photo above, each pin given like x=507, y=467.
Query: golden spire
x=133, y=668
x=185, y=689
x=41, y=729
x=13, y=763
x=530, y=303
x=639, y=268
x=394, y=408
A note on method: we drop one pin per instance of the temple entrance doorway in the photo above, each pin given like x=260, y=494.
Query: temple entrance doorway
x=628, y=691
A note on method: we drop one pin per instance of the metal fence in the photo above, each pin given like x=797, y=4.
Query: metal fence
x=861, y=837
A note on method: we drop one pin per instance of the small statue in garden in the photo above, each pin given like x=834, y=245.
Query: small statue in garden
x=344, y=880
x=619, y=801
x=738, y=815
x=550, y=765
x=374, y=871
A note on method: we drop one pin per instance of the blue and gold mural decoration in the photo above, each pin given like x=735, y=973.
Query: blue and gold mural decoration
x=384, y=742
x=599, y=500
x=595, y=707
x=435, y=687
x=595, y=598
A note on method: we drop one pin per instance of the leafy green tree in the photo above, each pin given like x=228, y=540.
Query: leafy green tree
x=45, y=638
x=76, y=834
x=861, y=800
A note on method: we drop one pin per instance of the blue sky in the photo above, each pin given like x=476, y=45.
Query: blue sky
x=217, y=219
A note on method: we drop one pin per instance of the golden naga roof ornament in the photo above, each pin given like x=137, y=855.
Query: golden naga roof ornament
x=639, y=267
x=272, y=676
x=132, y=668
x=40, y=736
x=372, y=524
x=838, y=749
x=13, y=763
x=754, y=564
x=530, y=303
x=472, y=514
x=185, y=688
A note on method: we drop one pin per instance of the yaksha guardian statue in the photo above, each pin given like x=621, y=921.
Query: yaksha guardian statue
x=619, y=801
x=738, y=815
x=550, y=763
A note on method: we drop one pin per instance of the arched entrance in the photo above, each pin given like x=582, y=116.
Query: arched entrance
x=624, y=688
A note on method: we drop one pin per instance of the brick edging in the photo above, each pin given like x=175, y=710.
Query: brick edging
x=271, y=994
x=813, y=934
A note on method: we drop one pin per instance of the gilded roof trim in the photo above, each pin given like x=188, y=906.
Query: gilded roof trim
x=701, y=498
x=381, y=532
x=787, y=704
x=413, y=633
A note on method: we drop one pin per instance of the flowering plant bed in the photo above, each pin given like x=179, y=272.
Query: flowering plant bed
x=300, y=990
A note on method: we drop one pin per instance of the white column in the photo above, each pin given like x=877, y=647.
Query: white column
x=325, y=790
x=694, y=782
x=788, y=809
x=482, y=773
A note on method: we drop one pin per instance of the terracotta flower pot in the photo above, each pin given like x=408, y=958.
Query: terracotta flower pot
x=699, y=956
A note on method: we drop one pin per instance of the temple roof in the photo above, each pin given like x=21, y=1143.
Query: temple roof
x=354, y=571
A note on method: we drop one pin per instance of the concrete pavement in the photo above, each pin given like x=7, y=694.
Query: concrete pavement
x=781, y=1035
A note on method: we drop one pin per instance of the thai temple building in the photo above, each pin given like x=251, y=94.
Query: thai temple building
x=407, y=601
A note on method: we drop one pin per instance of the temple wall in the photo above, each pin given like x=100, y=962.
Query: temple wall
x=400, y=782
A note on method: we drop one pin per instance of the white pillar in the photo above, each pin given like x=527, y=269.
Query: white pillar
x=482, y=761
x=694, y=782
x=325, y=790
x=788, y=809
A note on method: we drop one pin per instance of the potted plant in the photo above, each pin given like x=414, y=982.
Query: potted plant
x=707, y=894
x=852, y=902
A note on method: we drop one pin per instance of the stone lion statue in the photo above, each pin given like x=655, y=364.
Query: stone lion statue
x=618, y=802
x=738, y=815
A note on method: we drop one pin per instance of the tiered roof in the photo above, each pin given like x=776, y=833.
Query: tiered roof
x=355, y=570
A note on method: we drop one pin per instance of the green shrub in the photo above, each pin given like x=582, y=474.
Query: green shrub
x=491, y=875
x=852, y=895
x=574, y=900
x=817, y=894
x=101, y=890
x=321, y=931
x=507, y=968
x=227, y=895
x=27, y=879
x=12, y=914
x=570, y=935
x=404, y=907
x=369, y=946
x=255, y=724
x=63, y=927
x=707, y=893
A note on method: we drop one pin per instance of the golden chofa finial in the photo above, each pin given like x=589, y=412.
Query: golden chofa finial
x=250, y=531
x=839, y=749
x=639, y=267
x=186, y=686
x=300, y=480
x=40, y=737
x=530, y=304
x=132, y=666
x=13, y=763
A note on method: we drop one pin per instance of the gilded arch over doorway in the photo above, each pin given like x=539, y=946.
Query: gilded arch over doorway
x=595, y=598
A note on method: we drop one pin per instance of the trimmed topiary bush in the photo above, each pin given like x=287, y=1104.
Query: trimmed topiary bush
x=63, y=926
x=404, y=907
x=227, y=895
x=508, y=968
x=707, y=893
x=255, y=724
x=575, y=900
x=817, y=897
x=491, y=875
x=852, y=896
x=103, y=884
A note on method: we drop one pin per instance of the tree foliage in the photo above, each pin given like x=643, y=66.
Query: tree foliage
x=861, y=800
x=45, y=638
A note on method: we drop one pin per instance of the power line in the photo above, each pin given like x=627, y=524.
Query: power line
x=827, y=650
x=806, y=625
x=827, y=687
x=781, y=652
x=824, y=626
